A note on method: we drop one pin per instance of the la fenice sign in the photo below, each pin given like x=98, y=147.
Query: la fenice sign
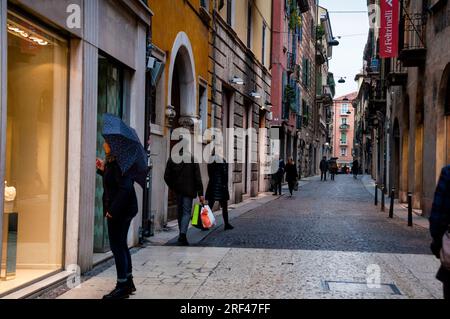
x=389, y=28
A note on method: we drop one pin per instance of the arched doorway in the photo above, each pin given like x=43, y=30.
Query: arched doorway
x=396, y=157
x=443, y=129
x=182, y=93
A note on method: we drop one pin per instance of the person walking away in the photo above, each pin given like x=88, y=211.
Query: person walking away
x=120, y=207
x=440, y=224
x=291, y=175
x=278, y=177
x=333, y=168
x=355, y=168
x=185, y=180
x=217, y=190
x=323, y=169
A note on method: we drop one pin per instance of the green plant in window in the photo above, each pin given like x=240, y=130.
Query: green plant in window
x=320, y=32
x=289, y=93
x=295, y=18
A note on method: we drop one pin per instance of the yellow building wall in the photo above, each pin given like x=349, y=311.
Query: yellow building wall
x=262, y=12
x=174, y=16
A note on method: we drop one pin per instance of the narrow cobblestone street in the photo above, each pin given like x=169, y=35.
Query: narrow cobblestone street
x=323, y=242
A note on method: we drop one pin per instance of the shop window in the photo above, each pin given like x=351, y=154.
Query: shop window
x=249, y=25
x=35, y=162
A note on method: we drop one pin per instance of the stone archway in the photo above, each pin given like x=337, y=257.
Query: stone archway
x=443, y=122
x=182, y=97
x=182, y=83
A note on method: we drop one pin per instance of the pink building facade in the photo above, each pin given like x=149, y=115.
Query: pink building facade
x=344, y=129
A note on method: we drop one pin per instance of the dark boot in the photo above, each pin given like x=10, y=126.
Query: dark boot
x=130, y=285
x=228, y=226
x=120, y=292
x=182, y=240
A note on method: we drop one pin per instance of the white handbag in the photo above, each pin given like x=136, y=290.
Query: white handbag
x=445, y=251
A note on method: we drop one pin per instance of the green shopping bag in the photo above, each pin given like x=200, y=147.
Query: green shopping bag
x=196, y=217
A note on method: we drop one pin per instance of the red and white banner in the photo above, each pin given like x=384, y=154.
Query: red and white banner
x=389, y=28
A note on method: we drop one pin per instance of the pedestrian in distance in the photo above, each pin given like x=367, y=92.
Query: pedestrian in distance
x=217, y=190
x=332, y=164
x=440, y=225
x=185, y=180
x=125, y=164
x=355, y=169
x=291, y=175
x=278, y=177
x=323, y=169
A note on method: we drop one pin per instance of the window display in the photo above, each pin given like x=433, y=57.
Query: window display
x=35, y=163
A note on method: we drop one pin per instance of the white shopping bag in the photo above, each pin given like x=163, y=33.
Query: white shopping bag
x=208, y=218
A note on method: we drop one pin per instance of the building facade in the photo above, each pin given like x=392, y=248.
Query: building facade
x=180, y=92
x=343, y=130
x=211, y=70
x=76, y=60
x=241, y=89
x=406, y=110
x=302, y=88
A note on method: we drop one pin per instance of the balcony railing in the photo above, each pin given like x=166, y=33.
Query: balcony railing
x=397, y=75
x=344, y=127
x=412, y=39
x=343, y=143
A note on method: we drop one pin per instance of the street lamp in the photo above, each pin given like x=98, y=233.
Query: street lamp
x=342, y=80
x=238, y=81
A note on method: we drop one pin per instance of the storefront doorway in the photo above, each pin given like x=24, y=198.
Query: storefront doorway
x=110, y=100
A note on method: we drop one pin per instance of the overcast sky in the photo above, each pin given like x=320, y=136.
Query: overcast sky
x=353, y=27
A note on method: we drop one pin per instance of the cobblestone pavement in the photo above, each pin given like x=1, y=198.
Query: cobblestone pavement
x=329, y=241
x=335, y=216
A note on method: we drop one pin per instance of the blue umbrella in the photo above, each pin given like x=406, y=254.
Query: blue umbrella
x=126, y=147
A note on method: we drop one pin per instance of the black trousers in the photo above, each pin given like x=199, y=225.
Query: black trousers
x=332, y=176
x=224, y=205
x=118, y=234
x=323, y=175
x=291, y=186
x=447, y=290
x=277, y=186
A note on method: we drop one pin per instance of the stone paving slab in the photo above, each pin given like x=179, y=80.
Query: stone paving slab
x=266, y=273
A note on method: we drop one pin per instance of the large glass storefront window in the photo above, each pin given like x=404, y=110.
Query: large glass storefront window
x=33, y=217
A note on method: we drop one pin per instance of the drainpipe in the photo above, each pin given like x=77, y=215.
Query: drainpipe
x=147, y=216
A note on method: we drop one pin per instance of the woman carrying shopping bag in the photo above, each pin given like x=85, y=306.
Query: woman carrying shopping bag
x=217, y=190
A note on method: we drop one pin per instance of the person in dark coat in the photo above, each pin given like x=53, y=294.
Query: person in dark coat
x=186, y=181
x=355, y=168
x=440, y=223
x=291, y=175
x=332, y=165
x=120, y=207
x=323, y=169
x=278, y=177
x=217, y=190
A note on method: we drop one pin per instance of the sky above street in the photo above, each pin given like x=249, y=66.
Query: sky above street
x=353, y=27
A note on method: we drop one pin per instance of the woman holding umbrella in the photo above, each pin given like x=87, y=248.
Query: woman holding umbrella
x=124, y=164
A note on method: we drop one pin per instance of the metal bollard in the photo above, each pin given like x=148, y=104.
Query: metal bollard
x=391, y=208
x=376, y=195
x=410, y=216
x=383, y=199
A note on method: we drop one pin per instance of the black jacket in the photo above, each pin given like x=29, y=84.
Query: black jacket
x=217, y=189
x=324, y=165
x=119, y=196
x=440, y=218
x=184, y=179
x=291, y=173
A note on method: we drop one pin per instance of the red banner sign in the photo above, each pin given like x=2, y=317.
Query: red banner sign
x=389, y=28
